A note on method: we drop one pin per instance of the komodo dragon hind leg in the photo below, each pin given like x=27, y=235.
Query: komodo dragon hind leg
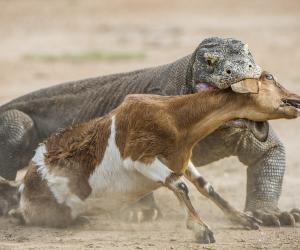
x=18, y=139
x=143, y=210
x=9, y=195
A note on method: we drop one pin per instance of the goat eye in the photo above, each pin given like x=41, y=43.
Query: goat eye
x=269, y=77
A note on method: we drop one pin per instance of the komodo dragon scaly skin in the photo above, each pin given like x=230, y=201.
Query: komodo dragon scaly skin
x=26, y=121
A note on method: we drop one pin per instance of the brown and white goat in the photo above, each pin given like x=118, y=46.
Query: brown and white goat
x=140, y=146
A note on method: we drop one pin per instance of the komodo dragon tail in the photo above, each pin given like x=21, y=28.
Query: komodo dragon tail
x=9, y=195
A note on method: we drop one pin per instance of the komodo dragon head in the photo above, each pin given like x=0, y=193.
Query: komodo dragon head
x=221, y=62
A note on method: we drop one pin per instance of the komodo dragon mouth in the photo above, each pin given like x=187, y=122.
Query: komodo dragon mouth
x=259, y=129
x=200, y=86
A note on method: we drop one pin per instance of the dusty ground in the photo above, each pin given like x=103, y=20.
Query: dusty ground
x=47, y=42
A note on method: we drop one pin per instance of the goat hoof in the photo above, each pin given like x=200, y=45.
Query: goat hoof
x=205, y=236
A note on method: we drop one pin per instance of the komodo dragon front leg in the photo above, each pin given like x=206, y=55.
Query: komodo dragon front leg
x=266, y=165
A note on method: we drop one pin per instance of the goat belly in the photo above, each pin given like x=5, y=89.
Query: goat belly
x=114, y=183
x=115, y=187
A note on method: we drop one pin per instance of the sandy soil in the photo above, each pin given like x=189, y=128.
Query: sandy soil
x=162, y=31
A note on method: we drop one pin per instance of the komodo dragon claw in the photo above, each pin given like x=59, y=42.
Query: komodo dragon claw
x=277, y=218
x=9, y=196
x=144, y=210
x=247, y=220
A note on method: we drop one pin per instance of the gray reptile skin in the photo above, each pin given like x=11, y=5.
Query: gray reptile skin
x=265, y=161
x=29, y=119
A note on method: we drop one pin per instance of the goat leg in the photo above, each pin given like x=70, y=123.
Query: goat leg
x=160, y=173
x=246, y=220
x=202, y=231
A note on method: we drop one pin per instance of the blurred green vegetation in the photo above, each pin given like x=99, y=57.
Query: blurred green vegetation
x=93, y=55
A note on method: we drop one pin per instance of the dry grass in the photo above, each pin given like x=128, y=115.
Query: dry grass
x=93, y=55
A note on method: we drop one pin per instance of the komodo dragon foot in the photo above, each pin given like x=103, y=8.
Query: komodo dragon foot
x=9, y=196
x=143, y=210
x=274, y=217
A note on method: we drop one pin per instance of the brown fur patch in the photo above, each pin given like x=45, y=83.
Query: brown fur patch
x=39, y=205
x=150, y=126
x=144, y=129
x=76, y=151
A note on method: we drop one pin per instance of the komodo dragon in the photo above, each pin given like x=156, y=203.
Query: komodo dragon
x=26, y=121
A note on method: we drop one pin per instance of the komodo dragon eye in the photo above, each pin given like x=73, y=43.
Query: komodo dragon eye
x=269, y=77
x=209, y=62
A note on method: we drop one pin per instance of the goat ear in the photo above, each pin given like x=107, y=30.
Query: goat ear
x=246, y=86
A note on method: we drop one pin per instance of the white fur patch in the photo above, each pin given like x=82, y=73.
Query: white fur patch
x=207, y=187
x=58, y=185
x=156, y=171
x=21, y=188
x=110, y=165
x=116, y=182
x=194, y=172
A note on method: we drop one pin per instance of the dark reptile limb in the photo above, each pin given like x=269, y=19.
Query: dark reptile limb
x=9, y=195
x=18, y=138
x=266, y=165
x=264, y=179
x=143, y=210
